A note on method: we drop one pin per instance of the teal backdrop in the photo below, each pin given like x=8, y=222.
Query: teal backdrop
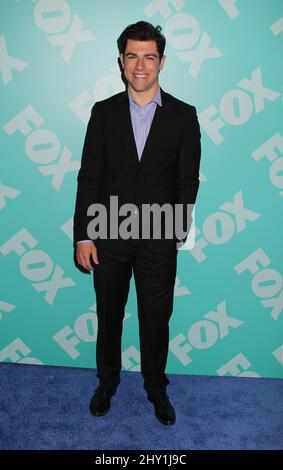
x=58, y=57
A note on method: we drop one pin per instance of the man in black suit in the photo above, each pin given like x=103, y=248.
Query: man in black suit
x=142, y=146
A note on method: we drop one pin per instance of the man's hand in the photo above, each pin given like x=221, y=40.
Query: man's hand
x=86, y=251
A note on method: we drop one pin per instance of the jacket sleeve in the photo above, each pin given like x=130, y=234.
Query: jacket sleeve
x=187, y=182
x=90, y=174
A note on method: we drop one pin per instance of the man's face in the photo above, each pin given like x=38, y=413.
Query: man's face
x=141, y=64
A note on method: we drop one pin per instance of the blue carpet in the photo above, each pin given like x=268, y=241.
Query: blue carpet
x=46, y=407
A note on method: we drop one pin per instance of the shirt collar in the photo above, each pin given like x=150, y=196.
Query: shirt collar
x=156, y=99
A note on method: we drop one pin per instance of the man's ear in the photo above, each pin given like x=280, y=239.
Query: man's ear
x=162, y=62
x=122, y=60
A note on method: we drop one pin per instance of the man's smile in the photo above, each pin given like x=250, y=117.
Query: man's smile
x=139, y=75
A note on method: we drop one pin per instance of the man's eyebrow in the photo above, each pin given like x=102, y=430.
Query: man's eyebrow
x=145, y=55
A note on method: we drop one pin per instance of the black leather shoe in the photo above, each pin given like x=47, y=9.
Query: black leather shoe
x=100, y=403
x=164, y=410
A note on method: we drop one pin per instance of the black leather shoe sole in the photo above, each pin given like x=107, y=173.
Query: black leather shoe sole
x=100, y=413
x=167, y=422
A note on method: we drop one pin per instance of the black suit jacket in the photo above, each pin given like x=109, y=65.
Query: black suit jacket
x=168, y=171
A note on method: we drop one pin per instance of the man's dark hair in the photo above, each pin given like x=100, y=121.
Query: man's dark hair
x=142, y=31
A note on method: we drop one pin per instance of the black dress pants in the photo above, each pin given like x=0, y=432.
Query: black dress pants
x=154, y=275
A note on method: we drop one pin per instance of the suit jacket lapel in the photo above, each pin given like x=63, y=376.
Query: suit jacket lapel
x=125, y=123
